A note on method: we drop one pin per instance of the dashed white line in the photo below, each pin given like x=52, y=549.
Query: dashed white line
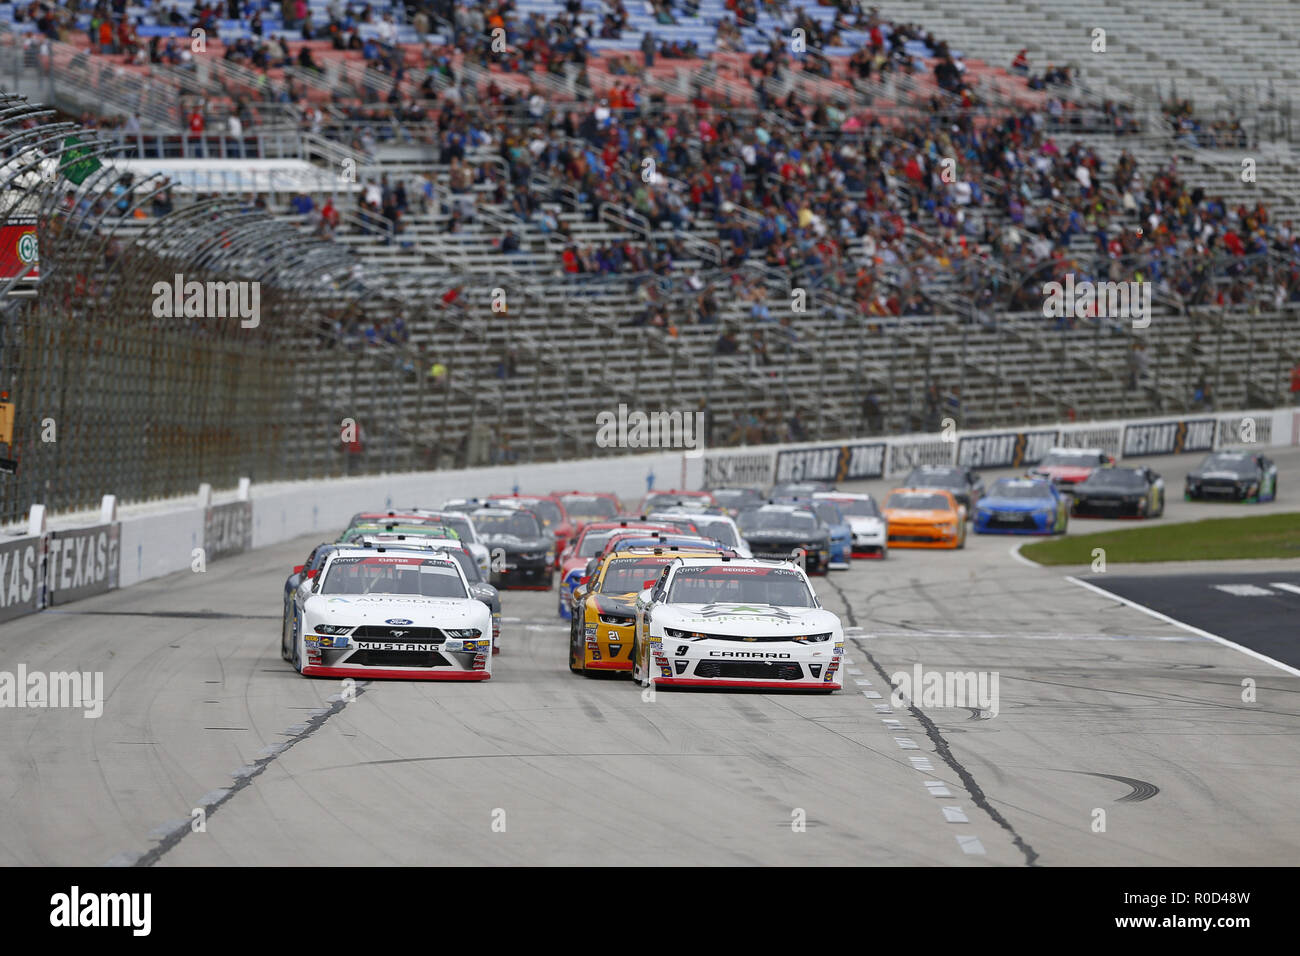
x=970, y=844
x=937, y=788
x=955, y=815
x=906, y=743
x=1283, y=586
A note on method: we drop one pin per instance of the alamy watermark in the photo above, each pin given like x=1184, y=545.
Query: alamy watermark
x=971, y=689
x=638, y=429
x=208, y=300
x=75, y=689
x=1104, y=300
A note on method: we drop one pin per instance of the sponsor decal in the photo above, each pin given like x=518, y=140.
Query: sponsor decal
x=82, y=563
x=1169, y=438
x=228, y=529
x=1005, y=450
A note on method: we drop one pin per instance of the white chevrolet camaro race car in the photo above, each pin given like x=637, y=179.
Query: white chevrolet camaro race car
x=729, y=622
x=388, y=612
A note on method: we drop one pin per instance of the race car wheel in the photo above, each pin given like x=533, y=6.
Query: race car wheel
x=1160, y=505
x=297, y=653
x=284, y=634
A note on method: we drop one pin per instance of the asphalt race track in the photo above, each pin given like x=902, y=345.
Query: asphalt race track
x=1102, y=707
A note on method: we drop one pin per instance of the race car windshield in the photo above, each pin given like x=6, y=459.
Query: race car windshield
x=938, y=478
x=519, y=525
x=1116, y=478
x=460, y=526
x=381, y=575
x=859, y=508
x=548, y=511
x=720, y=531
x=654, y=502
x=753, y=521
x=829, y=513
x=625, y=575
x=593, y=542
x=467, y=564
x=754, y=586
x=1017, y=489
x=588, y=507
x=423, y=531
x=1066, y=459
x=736, y=497
x=918, y=502
x=1237, y=464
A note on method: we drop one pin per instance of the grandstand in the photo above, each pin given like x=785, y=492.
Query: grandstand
x=797, y=263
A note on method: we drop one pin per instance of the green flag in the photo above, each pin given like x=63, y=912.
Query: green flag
x=77, y=161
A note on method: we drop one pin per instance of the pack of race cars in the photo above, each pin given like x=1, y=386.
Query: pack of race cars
x=693, y=588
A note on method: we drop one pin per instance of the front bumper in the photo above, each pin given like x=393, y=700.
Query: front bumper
x=816, y=560
x=1220, y=491
x=767, y=664
x=922, y=536
x=1013, y=522
x=533, y=575
x=608, y=647
x=1105, y=508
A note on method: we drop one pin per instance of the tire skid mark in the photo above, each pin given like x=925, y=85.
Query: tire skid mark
x=171, y=834
x=942, y=749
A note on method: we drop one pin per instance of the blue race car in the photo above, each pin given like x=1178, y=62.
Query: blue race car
x=1022, y=506
x=832, y=516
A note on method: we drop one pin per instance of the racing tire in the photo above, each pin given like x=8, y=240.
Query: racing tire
x=1160, y=507
x=284, y=632
x=297, y=653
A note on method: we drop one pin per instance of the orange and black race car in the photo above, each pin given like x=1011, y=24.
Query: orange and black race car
x=924, y=518
x=603, y=618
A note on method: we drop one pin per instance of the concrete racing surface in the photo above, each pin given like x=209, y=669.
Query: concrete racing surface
x=1119, y=738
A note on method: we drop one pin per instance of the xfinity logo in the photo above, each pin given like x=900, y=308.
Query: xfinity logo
x=102, y=909
x=775, y=655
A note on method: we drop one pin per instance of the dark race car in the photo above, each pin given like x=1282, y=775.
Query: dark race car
x=786, y=532
x=1233, y=476
x=521, y=552
x=1120, y=493
x=965, y=485
x=735, y=500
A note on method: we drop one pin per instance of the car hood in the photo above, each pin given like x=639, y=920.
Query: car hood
x=865, y=523
x=615, y=604
x=901, y=515
x=515, y=543
x=744, y=620
x=358, y=609
x=1064, y=472
x=989, y=503
x=775, y=534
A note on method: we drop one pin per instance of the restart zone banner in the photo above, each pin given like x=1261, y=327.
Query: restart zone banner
x=832, y=463
x=1170, y=438
x=1006, y=449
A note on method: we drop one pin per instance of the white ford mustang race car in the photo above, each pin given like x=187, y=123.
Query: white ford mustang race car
x=711, y=622
x=391, y=612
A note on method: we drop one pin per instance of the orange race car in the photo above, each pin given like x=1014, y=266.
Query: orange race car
x=924, y=518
